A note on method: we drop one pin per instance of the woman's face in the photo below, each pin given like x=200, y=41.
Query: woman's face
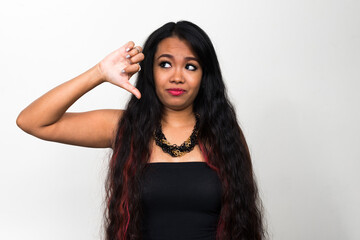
x=177, y=73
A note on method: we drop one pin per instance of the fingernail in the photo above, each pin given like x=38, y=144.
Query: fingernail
x=123, y=70
x=127, y=56
x=128, y=49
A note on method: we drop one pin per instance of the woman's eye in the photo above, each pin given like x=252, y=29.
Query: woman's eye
x=191, y=67
x=165, y=64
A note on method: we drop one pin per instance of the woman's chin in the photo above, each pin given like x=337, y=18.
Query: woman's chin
x=177, y=107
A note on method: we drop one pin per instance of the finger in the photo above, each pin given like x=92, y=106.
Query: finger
x=134, y=51
x=138, y=48
x=130, y=88
x=137, y=58
x=133, y=68
x=128, y=46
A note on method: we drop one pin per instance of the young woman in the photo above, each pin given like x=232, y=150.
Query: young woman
x=180, y=167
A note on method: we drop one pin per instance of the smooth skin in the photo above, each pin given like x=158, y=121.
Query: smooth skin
x=175, y=66
x=46, y=117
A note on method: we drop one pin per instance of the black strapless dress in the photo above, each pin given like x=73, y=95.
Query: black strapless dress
x=180, y=201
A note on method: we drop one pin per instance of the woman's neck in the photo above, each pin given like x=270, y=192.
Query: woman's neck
x=178, y=118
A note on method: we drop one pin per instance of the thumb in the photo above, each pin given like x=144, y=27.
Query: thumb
x=130, y=88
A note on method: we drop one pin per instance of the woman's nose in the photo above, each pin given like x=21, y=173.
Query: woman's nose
x=177, y=76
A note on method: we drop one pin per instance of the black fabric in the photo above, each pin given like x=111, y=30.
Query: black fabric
x=180, y=201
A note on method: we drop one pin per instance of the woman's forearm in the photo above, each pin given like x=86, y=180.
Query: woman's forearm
x=51, y=106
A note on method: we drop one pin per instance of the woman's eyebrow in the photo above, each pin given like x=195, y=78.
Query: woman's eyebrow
x=172, y=57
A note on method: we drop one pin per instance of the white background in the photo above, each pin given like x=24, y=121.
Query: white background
x=292, y=71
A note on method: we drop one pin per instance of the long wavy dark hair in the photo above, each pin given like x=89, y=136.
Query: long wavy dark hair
x=220, y=139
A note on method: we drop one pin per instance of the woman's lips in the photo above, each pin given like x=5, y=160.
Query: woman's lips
x=176, y=91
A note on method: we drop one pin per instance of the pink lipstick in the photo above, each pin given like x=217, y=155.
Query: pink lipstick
x=176, y=91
